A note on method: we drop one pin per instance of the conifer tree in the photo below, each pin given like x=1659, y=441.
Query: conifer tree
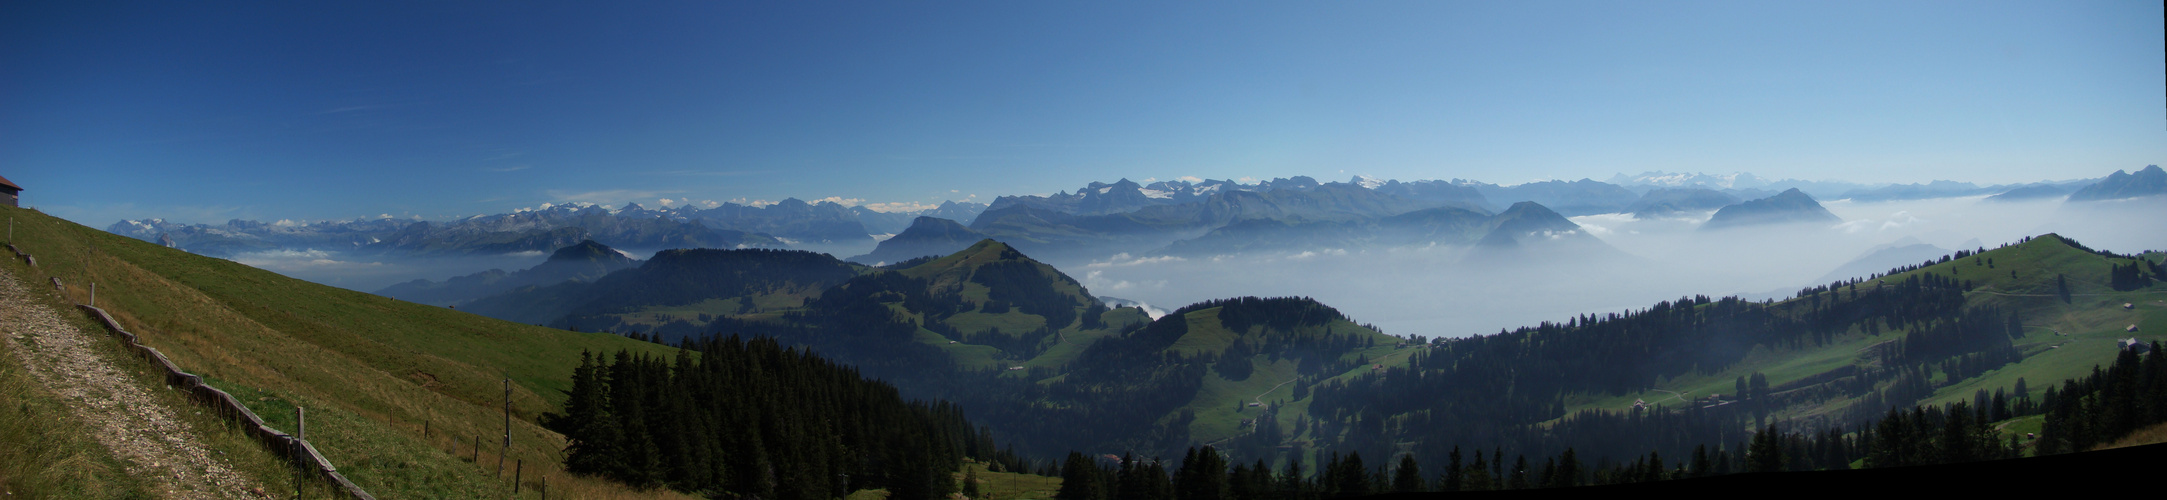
x=2061, y=287
x=1766, y=452
x=1407, y=478
x=1454, y=476
x=1080, y=479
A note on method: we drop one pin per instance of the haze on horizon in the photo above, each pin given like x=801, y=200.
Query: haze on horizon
x=207, y=113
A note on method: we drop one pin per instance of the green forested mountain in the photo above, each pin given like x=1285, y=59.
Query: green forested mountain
x=1705, y=371
x=1026, y=351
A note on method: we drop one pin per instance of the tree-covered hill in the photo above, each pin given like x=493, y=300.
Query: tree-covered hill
x=1702, y=370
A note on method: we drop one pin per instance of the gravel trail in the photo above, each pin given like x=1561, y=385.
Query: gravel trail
x=149, y=437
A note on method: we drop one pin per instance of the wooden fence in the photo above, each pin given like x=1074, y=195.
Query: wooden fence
x=299, y=451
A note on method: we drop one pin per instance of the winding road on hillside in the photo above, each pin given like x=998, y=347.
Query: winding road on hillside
x=149, y=438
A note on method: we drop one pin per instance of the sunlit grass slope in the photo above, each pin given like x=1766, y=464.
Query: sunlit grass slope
x=372, y=372
x=2062, y=340
x=1221, y=405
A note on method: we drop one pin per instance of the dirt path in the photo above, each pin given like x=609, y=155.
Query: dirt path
x=1260, y=396
x=150, y=438
x=1680, y=396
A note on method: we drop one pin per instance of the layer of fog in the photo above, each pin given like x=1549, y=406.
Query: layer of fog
x=1439, y=291
x=372, y=272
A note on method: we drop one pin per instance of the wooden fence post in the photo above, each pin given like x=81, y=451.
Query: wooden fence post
x=507, y=427
x=518, y=469
x=300, y=432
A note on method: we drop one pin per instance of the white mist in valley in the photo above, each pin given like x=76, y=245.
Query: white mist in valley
x=367, y=272
x=1450, y=291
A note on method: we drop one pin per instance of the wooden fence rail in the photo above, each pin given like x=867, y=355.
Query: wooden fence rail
x=226, y=405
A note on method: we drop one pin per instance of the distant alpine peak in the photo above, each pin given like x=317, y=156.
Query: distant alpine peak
x=1658, y=178
x=1366, y=182
x=587, y=250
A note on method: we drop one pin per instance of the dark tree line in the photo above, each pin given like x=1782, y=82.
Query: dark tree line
x=2132, y=276
x=1922, y=435
x=2107, y=405
x=752, y=418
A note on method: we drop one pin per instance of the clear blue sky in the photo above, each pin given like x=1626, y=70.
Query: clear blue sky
x=306, y=111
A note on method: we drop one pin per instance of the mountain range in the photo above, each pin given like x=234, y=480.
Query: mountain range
x=1187, y=216
x=1031, y=354
x=2120, y=185
x=1039, y=358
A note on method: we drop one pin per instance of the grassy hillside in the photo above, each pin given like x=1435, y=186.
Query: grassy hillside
x=2061, y=340
x=373, y=372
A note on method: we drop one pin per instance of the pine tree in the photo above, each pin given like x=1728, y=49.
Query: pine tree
x=1766, y=452
x=1408, y=477
x=2061, y=287
x=1568, y=470
x=1202, y=476
x=1080, y=479
x=1519, y=480
x=1353, y=478
x=1453, y=480
x=1291, y=483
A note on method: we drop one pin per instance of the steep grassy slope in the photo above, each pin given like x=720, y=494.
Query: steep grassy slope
x=373, y=372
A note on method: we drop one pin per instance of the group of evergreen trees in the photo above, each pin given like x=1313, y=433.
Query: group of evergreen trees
x=2131, y=276
x=754, y=418
x=2107, y=405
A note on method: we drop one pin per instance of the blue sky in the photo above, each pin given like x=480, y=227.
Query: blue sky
x=306, y=111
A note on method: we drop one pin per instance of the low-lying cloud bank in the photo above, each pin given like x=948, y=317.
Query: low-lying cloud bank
x=1440, y=291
